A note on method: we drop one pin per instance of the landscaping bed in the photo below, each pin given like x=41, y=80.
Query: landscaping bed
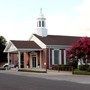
x=62, y=67
x=32, y=70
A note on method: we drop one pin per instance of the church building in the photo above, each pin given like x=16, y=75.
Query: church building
x=41, y=50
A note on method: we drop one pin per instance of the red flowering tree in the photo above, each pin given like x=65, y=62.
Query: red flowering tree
x=80, y=50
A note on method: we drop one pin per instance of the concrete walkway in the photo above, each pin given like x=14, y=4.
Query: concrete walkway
x=53, y=75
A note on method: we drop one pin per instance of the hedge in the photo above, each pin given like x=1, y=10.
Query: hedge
x=62, y=67
x=29, y=70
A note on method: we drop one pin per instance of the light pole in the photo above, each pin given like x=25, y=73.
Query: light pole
x=45, y=64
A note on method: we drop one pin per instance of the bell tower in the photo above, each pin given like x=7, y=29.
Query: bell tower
x=41, y=25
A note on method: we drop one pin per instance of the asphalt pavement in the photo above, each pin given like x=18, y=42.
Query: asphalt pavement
x=18, y=82
x=53, y=75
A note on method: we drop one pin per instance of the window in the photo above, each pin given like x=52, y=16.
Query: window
x=56, y=56
x=42, y=23
x=39, y=23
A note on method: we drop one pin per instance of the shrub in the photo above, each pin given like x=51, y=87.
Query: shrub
x=83, y=67
x=28, y=70
x=62, y=67
x=55, y=67
x=88, y=69
x=80, y=72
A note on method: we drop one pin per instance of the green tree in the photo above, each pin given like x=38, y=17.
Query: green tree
x=3, y=56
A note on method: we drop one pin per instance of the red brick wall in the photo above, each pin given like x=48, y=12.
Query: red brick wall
x=13, y=58
x=45, y=57
x=38, y=57
x=26, y=59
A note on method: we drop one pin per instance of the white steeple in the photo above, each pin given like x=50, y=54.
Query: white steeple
x=41, y=25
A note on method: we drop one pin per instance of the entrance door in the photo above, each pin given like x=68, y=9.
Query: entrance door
x=34, y=62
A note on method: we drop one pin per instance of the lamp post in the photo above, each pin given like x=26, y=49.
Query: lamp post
x=45, y=64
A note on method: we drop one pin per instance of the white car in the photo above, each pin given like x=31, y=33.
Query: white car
x=7, y=66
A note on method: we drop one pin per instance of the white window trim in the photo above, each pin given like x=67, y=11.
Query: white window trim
x=64, y=57
x=31, y=60
x=52, y=57
x=60, y=57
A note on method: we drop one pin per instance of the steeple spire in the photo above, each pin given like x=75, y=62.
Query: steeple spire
x=41, y=25
x=41, y=13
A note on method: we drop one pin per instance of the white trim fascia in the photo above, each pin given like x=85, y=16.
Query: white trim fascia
x=15, y=48
x=31, y=37
x=8, y=47
x=58, y=46
x=37, y=41
x=20, y=49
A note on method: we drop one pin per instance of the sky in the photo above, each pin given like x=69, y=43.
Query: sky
x=64, y=17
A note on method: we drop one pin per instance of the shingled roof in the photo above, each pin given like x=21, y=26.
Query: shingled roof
x=25, y=44
x=58, y=39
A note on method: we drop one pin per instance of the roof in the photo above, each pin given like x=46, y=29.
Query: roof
x=57, y=39
x=25, y=44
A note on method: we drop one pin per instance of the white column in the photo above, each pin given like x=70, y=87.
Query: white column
x=19, y=59
x=64, y=57
x=52, y=57
x=60, y=57
x=8, y=58
x=40, y=60
x=49, y=57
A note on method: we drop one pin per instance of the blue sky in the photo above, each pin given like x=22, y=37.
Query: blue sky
x=64, y=17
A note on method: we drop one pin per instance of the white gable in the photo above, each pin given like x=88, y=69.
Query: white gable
x=36, y=40
x=10, y=47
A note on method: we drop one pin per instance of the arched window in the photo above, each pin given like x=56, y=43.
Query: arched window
x=43, y=24
x=39, y=23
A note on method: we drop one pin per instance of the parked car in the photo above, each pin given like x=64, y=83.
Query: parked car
x=7, y=66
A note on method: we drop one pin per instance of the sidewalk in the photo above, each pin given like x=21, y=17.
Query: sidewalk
x=49, y=72
x=53, y=72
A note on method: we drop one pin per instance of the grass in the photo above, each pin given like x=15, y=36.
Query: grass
x=80, y=72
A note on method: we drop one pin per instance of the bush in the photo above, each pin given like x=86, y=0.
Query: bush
x=83, y=67
x=55, y=67
x=88, y=69
x=62, y=67
x=80, y=72
x=28, y=70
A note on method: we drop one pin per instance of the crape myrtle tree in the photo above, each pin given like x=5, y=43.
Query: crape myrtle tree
x=79, y=51
x=3, y=56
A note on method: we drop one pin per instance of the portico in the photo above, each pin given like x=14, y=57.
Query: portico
x=24, y=58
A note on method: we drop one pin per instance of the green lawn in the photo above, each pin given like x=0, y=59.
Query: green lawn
x=80, y=72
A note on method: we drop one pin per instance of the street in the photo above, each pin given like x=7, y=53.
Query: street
x=16, y=82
